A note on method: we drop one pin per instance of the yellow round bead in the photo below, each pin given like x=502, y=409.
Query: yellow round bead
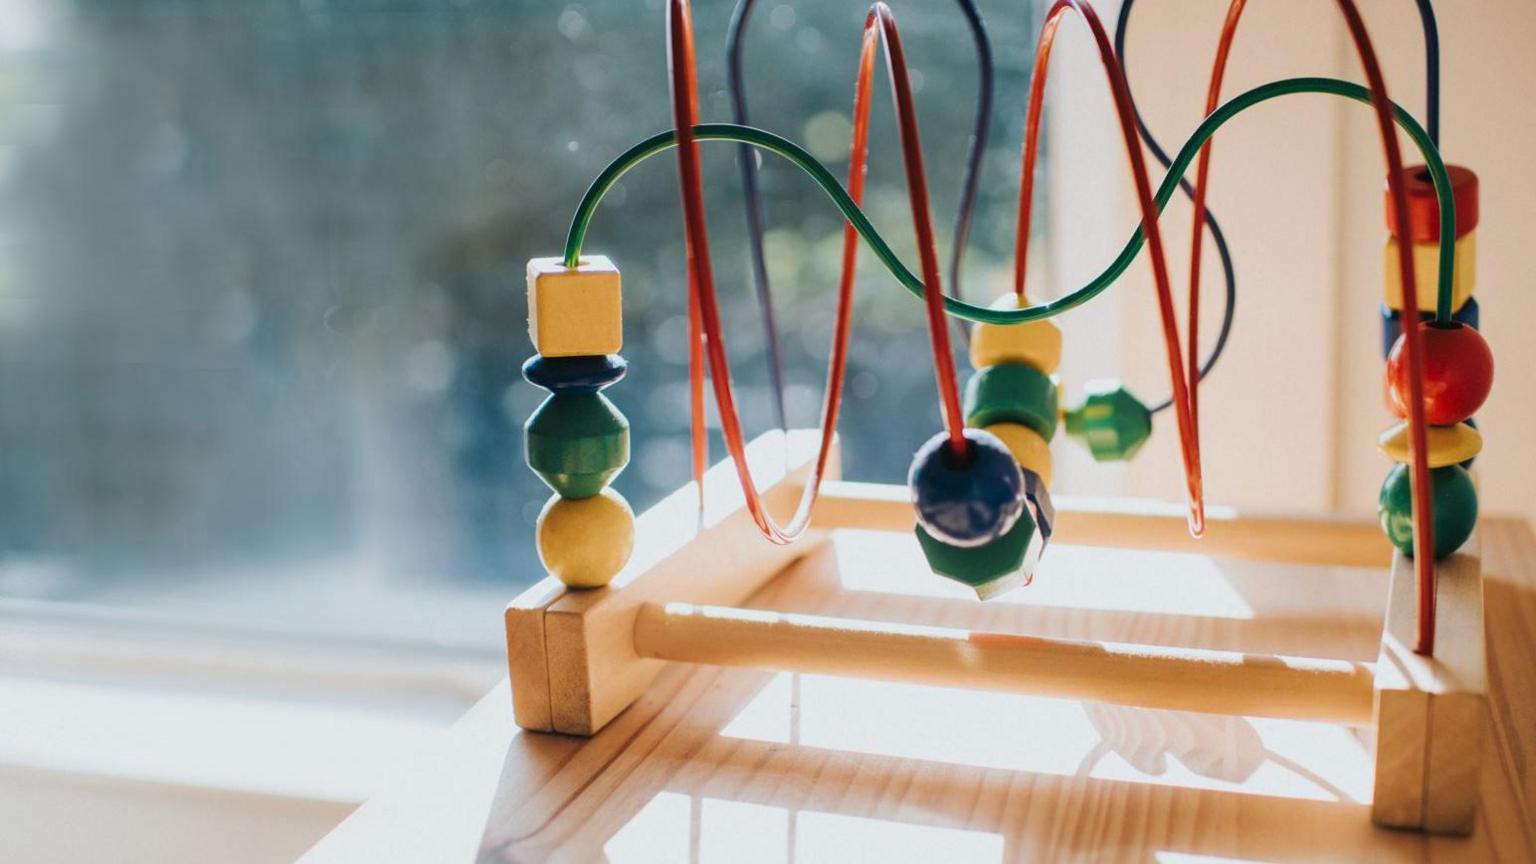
x=1034, y=343
x=1448, y=445
x=1028, y=448
x=585, y=542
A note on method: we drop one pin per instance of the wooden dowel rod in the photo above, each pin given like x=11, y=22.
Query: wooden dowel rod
x=1144, y=525
x=1220, y=682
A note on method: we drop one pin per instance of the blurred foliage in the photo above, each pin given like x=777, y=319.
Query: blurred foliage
x=261, y=290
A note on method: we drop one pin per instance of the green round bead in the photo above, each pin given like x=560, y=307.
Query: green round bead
x=993, y=568
x=1112, y=422
x=1012, y=393
x=577, y=443
x=1455, y=505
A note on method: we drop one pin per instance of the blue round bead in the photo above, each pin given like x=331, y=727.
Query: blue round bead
x=966, y=505
x=575, y=375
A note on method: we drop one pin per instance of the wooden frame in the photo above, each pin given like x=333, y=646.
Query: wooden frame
x=578, y=658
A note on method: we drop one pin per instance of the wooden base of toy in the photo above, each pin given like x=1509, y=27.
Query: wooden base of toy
x=578, y=658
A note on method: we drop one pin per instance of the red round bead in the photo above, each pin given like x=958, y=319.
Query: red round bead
x=1458, y=373
x=1424, y=204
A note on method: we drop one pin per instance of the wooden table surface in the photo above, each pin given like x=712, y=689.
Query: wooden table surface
x=741, y=765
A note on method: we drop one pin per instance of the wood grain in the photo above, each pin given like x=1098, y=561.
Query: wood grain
x=1146, y=526
x=1430, y=711
x=1150, y=676
x=728, y=764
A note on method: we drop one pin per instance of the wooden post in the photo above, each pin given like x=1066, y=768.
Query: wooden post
x=1430, y=711
x=1185, y=679
x=1151, y=526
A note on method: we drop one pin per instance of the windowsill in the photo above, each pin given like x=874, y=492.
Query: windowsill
x=101, y=693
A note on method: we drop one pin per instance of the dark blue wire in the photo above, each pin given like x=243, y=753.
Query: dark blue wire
x=1217, y=237
x=752, y=196
x=1431, y=71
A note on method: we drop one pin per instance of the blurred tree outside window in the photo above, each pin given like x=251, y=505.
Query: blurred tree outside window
x=262, y=303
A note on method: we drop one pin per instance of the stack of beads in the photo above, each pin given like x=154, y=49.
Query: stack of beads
x=577, y=441
x=986, y=522
x=1458, y=367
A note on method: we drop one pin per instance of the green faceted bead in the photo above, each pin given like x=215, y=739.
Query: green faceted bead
x=1455, y=506
x=1112, y=422
x=991, y=569
x=1012, y=393
x=577, y=443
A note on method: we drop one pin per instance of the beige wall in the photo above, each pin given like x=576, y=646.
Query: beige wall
x=1290, y=418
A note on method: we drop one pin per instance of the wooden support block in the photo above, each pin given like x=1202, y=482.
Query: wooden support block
x=590, y=671
x=1430, y=711
x=527, y=662
x=1148, y=525
x=1185, y=679
x=1426, y=269
x=574, y=311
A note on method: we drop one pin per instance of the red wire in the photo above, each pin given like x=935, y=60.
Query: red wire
x=703, y=303
x=1188, y=440
x=922, y=223
x=1423, y=513
x=1197, y=235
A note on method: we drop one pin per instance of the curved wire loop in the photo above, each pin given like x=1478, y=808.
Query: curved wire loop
x=1189, y=443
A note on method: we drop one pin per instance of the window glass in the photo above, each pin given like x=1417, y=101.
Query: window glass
x=261, y=281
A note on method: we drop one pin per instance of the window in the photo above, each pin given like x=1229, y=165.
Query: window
x=263, y=313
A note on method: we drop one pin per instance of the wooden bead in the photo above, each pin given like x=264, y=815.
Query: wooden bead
x=1031, y=451
x=585, y=542
x=971, y=503
x=1426, y=269
x=577, y=444
x=574, y=311
x=575, y=375
x=1424, y=204
x=992, y=569
x=1392, y=326
x=1448, y=445
x=1012, y=393
x=1033, y=343
x=1455, y=508
x=1458, y=373
x=1111, y=421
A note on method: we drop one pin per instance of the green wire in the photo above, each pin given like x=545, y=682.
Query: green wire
x=794, y=153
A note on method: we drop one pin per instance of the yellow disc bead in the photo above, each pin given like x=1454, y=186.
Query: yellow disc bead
x=585, y=542
x=1448, y=445
x=1033, y=343
x=1028, y=448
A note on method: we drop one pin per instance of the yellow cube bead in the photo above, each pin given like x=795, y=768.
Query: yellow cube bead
x=1448, y=445
x=585, y=542
x=577, y=311
x=1426, y=270
x=1028, y=448
x=1034, y=343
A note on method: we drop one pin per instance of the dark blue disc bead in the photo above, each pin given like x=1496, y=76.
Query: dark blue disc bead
x=575, y=375
x=1392, y=326
x=969, y=504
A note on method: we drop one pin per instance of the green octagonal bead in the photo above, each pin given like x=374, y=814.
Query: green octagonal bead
x=1112, y=422
x=992, y=569
x=577, y=443
x=1012, y=393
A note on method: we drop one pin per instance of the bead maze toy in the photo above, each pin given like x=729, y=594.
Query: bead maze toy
x=624, y=596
